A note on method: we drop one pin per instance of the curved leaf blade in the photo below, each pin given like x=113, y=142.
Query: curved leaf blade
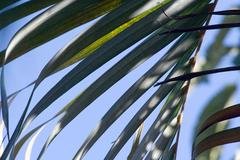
x=9, y=16
x=102, y=55
x=166, y=115
x=4, y=104
x=134, y=92
x=220, y=138
x=31, y=143
x=171, y=153
x=104, y=30
x=135, y=142
x=5, y=3
x=144, y=112
x=53, y=23
x=163, y=141
x=217, y=103
x=224, y=114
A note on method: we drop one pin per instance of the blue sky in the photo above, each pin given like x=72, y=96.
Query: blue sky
x=26, y=69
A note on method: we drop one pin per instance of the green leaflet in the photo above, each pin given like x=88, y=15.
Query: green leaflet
x=163, y=141
x=144, y=112
x=114, y=74
x=104, y=30
x=122, y=68
x=171, y=153
x=9, y=16
x=5, y=3
x=87, y=66
x=168, y=112
x=135, y=141
x=53, y=23
x=4, y=103
x=31, y=143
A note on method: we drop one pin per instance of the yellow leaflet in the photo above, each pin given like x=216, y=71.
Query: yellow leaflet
x=95, y=45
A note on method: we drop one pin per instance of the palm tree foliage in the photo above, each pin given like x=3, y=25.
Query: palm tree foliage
x=149, y=26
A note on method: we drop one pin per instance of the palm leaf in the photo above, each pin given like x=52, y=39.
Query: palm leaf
x=135, y=142
x=199, y=74
x=117, y=70
x=224, y=114
x=163, y=141
x=53, y=23
x=9, y=16
x=83, y=69
x=168, y=112
x=216, y=104
x=31, y=143
x=120, y=25
x=5, y=3
x=101, y=32
x=220, y=138
x=145, y=111
x=4, y=104
x=171, y=153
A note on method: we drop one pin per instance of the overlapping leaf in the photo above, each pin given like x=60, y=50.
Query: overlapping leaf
x=119, y=70
x=218, y=45
x=5, y=3
x=168, y=112
x=9, y=16
x=163, y=141
x=171, y=153
x=4, y=103
x=135, y=142
x=217, y=139
x=103, y=54
x=55, y=21
x=217, y=103
x=120, y=28
x=104, y=30
x=146, y=110
x=224, y=114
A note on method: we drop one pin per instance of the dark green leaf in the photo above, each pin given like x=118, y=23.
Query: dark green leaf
x=9, y=16
x=4, y=103
x=55, y=21
x=163, y=141
x=5, y=3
